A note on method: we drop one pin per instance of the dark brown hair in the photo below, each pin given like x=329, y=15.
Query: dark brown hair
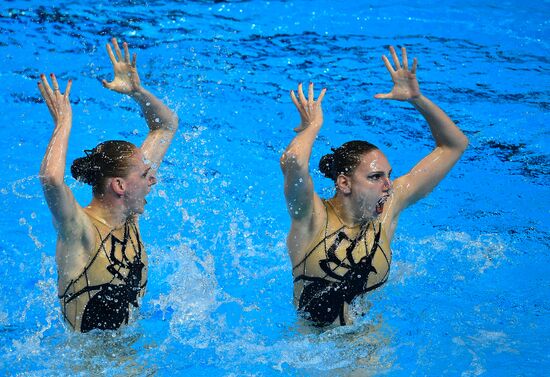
x=109, y=159
x=344, y=159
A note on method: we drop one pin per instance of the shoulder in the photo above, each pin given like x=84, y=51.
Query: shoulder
x=304, y=231
x=78, y=229
x=390, y=216
x=75, y=246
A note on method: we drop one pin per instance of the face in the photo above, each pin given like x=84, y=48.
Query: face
x=138, y=183
x=370, y=185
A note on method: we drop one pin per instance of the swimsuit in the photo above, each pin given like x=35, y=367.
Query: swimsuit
x=100, y=297
x=343, y=267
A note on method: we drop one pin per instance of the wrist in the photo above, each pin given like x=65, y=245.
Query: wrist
x=138, y=93
x=416, y=100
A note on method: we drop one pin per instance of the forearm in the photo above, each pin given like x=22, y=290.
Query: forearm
x=52, y=169
x=298, y=152
x=295, y=166
x=157, y=114
x=444, y=131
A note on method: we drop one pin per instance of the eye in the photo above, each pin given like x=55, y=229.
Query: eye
x=375, y=177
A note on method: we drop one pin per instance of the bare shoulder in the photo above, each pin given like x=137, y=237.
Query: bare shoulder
x=303, y=231
x=390, y=216
x=75, y=244
x=79, y=229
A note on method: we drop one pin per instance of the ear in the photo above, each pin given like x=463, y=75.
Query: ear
x=118, y=185
x=343, y=184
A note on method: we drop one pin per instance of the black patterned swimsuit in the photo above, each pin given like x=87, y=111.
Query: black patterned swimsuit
x=104, y=302
x=323, y=297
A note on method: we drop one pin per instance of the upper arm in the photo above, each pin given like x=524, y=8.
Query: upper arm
x=305, y=207
x=422, y=179
x=156, y=144
x=299, y=192
x=67, y=213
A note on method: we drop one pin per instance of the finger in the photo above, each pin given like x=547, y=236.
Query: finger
x=405, y=60
x=294, y=99
x=300, y=108
x=321, y=96
x=413, y=70
x=55, y=84
x=68, y=88
x=296, y=102
x=126, y=52
x=111, y=55
x=43, y=92
x=117, y=49
x=134, y=58
x=301, y=94
x=106, y=84
x=46, y=85
x=310, y=93
x=388, y=65
x=395, y=58
x=383, y=96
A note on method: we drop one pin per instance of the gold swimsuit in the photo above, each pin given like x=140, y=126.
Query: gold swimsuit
x=100, y=297
x=342, y=263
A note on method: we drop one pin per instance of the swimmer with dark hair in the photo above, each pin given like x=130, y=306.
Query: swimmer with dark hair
x=340, y=248
x=101, y=259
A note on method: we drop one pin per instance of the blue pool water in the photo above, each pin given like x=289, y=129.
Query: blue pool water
x=468, y=293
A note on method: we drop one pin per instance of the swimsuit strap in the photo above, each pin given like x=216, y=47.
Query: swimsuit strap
x=85, y=271
x=138, y=240
x=324, y=240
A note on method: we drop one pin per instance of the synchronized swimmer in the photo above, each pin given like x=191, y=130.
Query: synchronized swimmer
x=339, y=247
x=101, y=259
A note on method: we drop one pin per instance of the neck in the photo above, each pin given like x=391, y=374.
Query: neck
x=111, y=214
x=346, y=211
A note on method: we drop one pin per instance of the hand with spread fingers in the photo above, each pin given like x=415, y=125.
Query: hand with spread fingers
x=405, y=84
x=126, y=79
x=58, y=103
x=311, y=112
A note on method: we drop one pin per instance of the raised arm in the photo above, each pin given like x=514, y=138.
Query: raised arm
x=304, y=205
x=59, y=197
x=162, y=122
x=450, y=141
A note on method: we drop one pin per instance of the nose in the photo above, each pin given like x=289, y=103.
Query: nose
x=387, y=184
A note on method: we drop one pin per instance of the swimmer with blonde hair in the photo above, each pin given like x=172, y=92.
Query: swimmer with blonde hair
x=101, y=259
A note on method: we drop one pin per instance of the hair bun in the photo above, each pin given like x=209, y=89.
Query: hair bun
x=326, y=166
x=86, y=170
x=344, y=159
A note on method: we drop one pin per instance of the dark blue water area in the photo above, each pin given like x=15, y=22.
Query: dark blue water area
x=468, y=291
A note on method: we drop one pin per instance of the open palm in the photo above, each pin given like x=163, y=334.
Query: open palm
x=126, y=79
x=405, y=84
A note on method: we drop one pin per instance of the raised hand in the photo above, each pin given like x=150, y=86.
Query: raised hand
x=311, y=113
x=405, y=84
x=57, y=102
x=126, y=79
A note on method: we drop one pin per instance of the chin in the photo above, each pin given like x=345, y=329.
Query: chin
x=137, y=211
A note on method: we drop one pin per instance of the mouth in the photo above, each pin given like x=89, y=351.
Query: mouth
x=380, y=204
